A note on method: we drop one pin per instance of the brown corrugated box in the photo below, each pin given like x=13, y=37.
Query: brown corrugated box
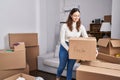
x=108, y=58
x=82, y=48
x=32, y=47
x=109, y=46
x=16, y=76
x=13, y=60
x=19, y=46
x=106, y=67
x=104, y=61
x=30, y=39
x=7, y=73
x=85, y=72
x=32, y=53
x=102, y=64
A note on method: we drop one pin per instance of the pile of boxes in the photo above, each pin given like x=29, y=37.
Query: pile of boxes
x=105, y=67
x=21, y=57
x=31, y=45
x=13, y=61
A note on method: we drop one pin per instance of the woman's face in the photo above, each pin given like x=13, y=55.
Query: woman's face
x=75, y=16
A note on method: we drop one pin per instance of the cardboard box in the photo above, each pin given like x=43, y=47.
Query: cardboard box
x=16, y=76
x=104, y=61
x=85, y=72
x=108, y=58
x=32, y=47
x=82, y=48
x=19, y=46
x=109, y=46
x=30, y=39
x=7, y=73
x=10, y=59
x=102, y=64
x=31, y=55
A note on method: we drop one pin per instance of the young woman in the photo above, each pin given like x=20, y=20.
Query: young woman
x=72, y=28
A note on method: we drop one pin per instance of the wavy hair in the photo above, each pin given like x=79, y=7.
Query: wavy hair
x=70, y=20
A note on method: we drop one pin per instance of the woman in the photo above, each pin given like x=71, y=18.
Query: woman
x=72, y=28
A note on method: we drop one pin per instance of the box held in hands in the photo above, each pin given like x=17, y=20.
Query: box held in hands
x=82, y=48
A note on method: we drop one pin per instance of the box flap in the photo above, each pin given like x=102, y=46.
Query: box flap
x=99, y=71
x=115, y=43
x=26, y=76
x=108, y=58
x=19, y=46
x=84, y=38
x=103, y=42
x=102, y=64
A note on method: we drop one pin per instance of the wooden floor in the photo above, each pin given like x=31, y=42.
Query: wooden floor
x=45, y=75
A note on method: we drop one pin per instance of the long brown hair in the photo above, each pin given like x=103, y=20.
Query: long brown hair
x=70, y=21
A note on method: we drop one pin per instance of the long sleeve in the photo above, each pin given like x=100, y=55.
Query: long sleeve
x=62, y=37
x=66, y=34
x=84, y=33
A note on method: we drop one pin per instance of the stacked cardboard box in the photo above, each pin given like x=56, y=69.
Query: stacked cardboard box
x=85, y=72
x=7, y=73
x=108, y=58
x=104, y=68
x=104, y=61
x=31, y=44
x=107, y=67
x=82, y=48
x=13, y=61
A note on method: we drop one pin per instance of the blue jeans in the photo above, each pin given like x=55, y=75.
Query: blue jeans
x=64, y=60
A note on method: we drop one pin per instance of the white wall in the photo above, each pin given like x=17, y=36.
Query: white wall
x=16, y=16
x=90, y=9
x=53, y=17
x=24, y=16
x=115, y=31
x=43, y=26
x=49, y=21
